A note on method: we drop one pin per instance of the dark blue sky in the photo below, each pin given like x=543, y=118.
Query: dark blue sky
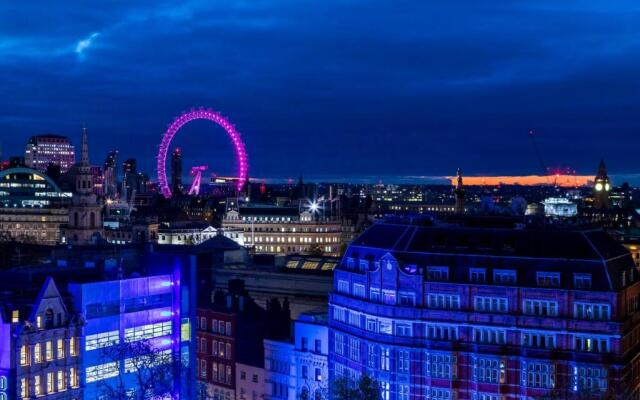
x=333, y=88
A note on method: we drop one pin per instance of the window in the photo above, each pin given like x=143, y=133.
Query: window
x=37, y=386
x=548, y=279
x=384, y=390
x=214, y=326
x=488, y=335
x=37, y=353
x=221, y=327
x=477, y=275
x=73, y=347
x=505, y=276
x=49, y=382
x=372, y=356
x=354, y=318
x=203, y=368
x=489, y=370
x=444, y=301
x=101, y=340
x=384, y=358
x=582, y=281
x=490, y=304
x=338, y=344
x=243, y=375
x=24, y=388
x=48, y=350
x=148, y=331
x=24, y=355
x=439, y=394
x=403, y=329
x=543, y=308
x=15, y=316
x=203, y=345
x=339, y=314
x=538, y=339
x=443, y=332
x=358, y=290
x=318, y=374
x=228, y=324
x=438, y=273
x=304, y=343
x=591, y=344
x=441, y=365
x=203, y=323
x=304, y=372
x=388, y=296
x=60, y=348
x=73, y=377
x=403, y=361
x=354, y=349
x=318, y=346
x=343, y=286
x=592, y=311
x=385, y=326
x=102, y=371
x=403, y=392
x=374, y=295
x=407, y=299
x=589, y=379
x=538, y=375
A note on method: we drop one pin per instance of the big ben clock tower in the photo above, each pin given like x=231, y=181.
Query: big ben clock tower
x=601, y=188
x=85, y=213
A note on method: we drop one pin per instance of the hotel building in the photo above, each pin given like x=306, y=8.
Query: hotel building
x=486, y=314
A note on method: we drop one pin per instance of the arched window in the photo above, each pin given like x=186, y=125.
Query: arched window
x=317, y=395
x=48, y=318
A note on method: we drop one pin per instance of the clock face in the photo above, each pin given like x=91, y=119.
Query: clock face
x=607, y=187
x=598, y=186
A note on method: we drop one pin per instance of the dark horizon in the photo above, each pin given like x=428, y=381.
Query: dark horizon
x=354, y=90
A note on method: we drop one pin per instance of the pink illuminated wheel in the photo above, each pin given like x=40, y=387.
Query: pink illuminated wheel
x=208, y=114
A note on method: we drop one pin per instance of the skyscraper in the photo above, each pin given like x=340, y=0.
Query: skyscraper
x=176, y=171
x=44, y=150
x=130, y=180
x=111, y=174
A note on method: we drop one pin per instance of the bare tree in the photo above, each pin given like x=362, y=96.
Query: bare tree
x=148, y=371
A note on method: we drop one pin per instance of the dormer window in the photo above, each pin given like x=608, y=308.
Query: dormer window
x=477, y=275
x=548, y=279
x=364, y=265
x=438, y=273
x=582, y=281
x=350, y=263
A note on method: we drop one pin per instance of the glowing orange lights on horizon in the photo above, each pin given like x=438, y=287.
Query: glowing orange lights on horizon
x=527, y=180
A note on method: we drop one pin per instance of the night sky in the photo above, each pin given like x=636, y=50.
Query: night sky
x=356, y=89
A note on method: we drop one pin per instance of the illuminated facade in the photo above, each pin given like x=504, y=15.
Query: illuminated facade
x=486, y=314
x=197, y=235
x=31, y=207
x=285, y=230
x=119, y=313
x=560, y=207
x=44, y=150
x=299, y=370
x=39, y=354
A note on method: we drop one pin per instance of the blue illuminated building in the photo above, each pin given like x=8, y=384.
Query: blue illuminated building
x=449, y=313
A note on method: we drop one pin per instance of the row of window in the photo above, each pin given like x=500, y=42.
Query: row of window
x=219, y=372
x=491, y=370
x=219, y=327
x=134, y=334
x=479, y=275
x=49, y=383
x=45, y=351
x=581, y=310
x=218, y=349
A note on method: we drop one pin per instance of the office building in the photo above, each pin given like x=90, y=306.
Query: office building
x=111, y=174
x=45, y=150
x=486, y=313
x=176, y=171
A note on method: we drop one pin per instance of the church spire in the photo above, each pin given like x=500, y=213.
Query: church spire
x=84, y=161
x=459, y=192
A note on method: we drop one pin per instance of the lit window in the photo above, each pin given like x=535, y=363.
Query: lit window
x=548, y=279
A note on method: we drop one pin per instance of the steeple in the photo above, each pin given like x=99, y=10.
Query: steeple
x=84, y=160
x=459, y=192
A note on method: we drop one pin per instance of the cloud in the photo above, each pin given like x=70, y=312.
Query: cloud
x=84, y=44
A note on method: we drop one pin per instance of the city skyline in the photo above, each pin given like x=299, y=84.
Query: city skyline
x=444, y=89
